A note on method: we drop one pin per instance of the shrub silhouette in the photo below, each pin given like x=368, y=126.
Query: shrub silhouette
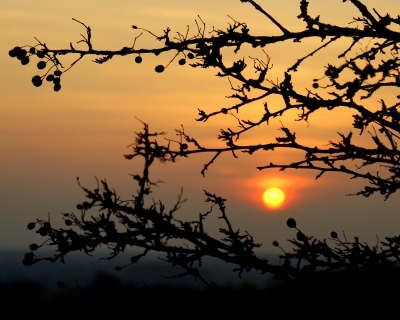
x=348, y=85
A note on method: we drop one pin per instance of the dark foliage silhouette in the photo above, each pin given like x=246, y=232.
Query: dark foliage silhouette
x=120, y=224
x=348, y=85
x=376, y=68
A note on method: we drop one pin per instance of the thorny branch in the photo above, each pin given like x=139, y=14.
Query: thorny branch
x=120, y=224
x=347, y=85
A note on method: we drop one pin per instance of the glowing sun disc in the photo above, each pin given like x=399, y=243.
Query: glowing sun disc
x=273, y=197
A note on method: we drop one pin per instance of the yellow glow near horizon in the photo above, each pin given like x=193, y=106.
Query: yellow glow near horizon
x=273, y=197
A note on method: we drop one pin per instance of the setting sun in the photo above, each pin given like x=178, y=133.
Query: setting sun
x=273, y=197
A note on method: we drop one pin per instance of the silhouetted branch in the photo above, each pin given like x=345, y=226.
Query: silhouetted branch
x=120, y=224
x=347, y=84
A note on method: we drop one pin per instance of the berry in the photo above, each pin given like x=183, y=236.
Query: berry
x=138, y=59
x=17, y=50
x=37, y=81
x=33, y=246
x=29, y=255
x=27, y=262
x=224, y=110
x=56, y=80
x=25, y=61
x=79, y=207
x=57, y=87
x=68, y=222
x=21, y=54
x=41, y=65
x=291, y=223
x=50, y=77
x=12, y=53
x=40, y=54
x=275, y=244
x=182, y=62
x=43, y=232
x=160, y=68
x=184, y=146
x=315, y=85
x=190, y=55
x=31, y=225
x=32, y=50
x=60, y=284
x=333, y=234
x=57, y=73
x=300, y=236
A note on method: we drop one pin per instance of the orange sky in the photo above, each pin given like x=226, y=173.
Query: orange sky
x=47, y=139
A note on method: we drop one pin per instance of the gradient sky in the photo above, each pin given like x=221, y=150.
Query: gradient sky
x=48, y=139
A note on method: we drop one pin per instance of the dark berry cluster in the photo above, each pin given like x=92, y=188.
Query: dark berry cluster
x=44, y=230
x=54, y=77
x=24, y=56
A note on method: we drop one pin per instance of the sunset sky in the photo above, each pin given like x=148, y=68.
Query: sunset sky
x=47, y=139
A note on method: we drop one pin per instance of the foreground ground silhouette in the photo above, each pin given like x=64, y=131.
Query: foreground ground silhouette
x=330, y=295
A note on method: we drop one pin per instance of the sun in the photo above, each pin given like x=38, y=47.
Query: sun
x=273, y=197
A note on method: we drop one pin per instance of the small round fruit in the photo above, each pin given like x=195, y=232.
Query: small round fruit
x=160, y=68
x=32, y=50
x=275, y=244
x=56, y=80
x=334, y=234
x=41, y=65
x=33, y=246
x=68, y=222
x=50, y=77
x=29, y=255
x=60, y=284
x=315, y=85
x=17, y=49
x=300, y=236
x=138, y=59
x=12, y=53
x=57, y=87
x=224, y=110
x=25, y=61
x=27, y=262
x=182, y=62
x=40, y=54
x=21, y=54
x=31, y=225
x=291, y=223
x=190, y=55
x=79, y=207
x=184, y=146
x=37, y=81
x=57, y=73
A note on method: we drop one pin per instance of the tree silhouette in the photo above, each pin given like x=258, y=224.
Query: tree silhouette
x=348, y=85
